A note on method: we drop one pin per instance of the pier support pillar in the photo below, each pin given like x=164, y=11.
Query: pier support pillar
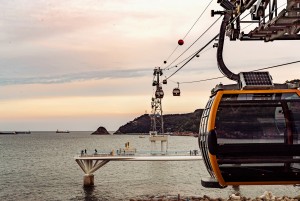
x=163, y=140
x=89, y=166
x=88, y=180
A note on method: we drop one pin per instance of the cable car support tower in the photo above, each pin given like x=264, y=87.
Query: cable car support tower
x=157, y=121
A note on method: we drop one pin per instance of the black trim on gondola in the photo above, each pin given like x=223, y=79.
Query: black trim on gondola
x=248, y=160
x=258, y=149
x=212, y=142
x=259, y=173
x=209, y=182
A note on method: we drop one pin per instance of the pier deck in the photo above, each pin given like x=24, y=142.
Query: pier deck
x=140, y=158
x=91, y=163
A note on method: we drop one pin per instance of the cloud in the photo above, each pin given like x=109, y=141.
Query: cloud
x=71, y=77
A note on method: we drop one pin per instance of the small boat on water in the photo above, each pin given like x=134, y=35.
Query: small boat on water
x=8, y=133
x=59, y=131
x=23, y=132
x=14, y=132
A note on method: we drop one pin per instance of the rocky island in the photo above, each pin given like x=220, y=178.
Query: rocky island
x=101, y=131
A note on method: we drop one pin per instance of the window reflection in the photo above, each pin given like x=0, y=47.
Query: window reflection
x=258, y=118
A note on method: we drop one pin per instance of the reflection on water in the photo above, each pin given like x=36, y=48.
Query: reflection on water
x=91, y=195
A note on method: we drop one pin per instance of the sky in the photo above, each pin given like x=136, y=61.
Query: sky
x=81, y=64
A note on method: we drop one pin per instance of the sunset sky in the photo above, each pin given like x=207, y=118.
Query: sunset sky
x=81, y=64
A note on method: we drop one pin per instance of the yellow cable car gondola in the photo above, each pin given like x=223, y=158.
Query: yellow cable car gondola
x=251, y=137
x=250, y=131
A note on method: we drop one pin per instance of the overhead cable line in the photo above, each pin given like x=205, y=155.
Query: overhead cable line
x=188, y=58
x=197, y=20
x=215, y=78
x=193, y=56
x=190, y=29
x=275, y=66
x=180, y=62
x=193, y=42
x=172, y=53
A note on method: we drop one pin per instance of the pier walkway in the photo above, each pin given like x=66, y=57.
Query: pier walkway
x=90, y=163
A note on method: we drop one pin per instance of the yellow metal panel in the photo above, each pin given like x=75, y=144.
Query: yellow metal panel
x=213, y=111
x=261, y=91
x=211, y=126
x=216, y=169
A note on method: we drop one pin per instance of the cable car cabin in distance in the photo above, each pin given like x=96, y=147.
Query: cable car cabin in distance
x=251, y=136
x=159, y=93
x=176, y=92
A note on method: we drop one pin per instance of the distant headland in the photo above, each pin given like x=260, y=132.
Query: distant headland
x=177, y=124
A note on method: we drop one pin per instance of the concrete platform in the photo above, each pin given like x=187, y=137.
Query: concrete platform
x=141, y=158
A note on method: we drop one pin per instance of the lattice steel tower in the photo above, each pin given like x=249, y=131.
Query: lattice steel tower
x=157, y=122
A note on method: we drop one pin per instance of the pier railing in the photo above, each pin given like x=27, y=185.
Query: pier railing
x=103, y=153
x=90, y=161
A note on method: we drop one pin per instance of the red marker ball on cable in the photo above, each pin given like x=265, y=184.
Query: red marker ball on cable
x=180, y=42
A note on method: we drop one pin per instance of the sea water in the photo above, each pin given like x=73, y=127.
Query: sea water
x=41, y=166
